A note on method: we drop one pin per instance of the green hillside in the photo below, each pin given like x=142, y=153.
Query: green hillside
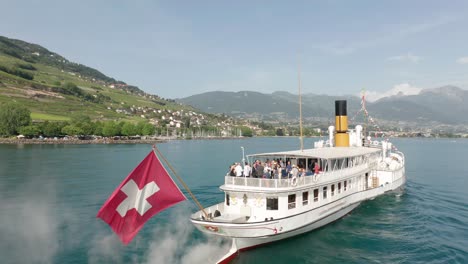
x=47, y=84
x=60, y=94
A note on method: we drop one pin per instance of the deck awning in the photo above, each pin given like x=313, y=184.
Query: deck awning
x=321, y=153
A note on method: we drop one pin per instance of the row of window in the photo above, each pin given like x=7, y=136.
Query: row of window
x=343, y=163
x=272, y=202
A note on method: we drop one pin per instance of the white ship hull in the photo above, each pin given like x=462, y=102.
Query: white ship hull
x=247, y=235
x=245, y=243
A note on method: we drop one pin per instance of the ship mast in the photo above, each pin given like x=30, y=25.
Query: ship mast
x=300, y=105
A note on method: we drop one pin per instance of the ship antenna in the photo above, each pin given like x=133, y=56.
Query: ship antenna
x=300, y=105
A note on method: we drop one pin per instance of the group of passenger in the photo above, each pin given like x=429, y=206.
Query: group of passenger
x=272, y=169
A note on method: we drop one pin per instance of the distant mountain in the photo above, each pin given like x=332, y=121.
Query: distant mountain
x=447, y=104
x=278, y=105
x=444, y=105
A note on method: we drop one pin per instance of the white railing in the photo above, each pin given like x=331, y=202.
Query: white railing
x=344, y=173
x=300, y=181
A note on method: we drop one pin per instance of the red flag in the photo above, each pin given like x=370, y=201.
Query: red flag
x=146, y=191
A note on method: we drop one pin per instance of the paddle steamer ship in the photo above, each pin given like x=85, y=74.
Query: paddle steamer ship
x=262, y=210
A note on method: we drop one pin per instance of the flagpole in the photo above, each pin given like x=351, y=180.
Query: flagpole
x=181, y=181
x=301, y=138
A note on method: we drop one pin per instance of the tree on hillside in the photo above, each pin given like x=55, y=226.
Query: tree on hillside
x=72, y=130
x=110, y=129
x=52, y=129
x=98, y=128
x=88, y=128
x=186, y=121
x=279, y=132
x=83, y=122
x=72, y=89
x=140, y=127
x=12, y=117
x=246, y=131
x=17, y=72
x=129, y=129
x=148, y=129
x=30, y=131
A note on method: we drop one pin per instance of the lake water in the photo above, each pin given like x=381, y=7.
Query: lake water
x=50, y=194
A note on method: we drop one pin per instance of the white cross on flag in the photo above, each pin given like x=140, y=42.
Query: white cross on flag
x=146, y=191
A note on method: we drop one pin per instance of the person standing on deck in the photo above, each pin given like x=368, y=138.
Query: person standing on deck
x=316, y=168
x=238, y=169
x=254, y=169
x=267, y=171
x=247, y=170
x=288, y=169
x=294, y=171
x=259, y=170
x=232, y=169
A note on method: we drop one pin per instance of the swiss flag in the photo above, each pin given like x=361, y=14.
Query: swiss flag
x=146, y=191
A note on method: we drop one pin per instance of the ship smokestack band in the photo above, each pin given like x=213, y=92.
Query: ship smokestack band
x=341, y=124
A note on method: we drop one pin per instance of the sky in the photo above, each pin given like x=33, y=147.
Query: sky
x=180, y=48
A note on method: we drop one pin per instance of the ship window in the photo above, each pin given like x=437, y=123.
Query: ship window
x=344, y=185
x=291, y=201
x=339, y=187
x=305, y=198
x=316, y=195
x=333, y=189
x=227, y=199
x=325, y=192
x=272, y=203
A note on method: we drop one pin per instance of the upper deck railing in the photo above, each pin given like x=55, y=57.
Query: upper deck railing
x=317, y=179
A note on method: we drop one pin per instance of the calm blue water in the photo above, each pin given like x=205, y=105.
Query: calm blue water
x=49, y=197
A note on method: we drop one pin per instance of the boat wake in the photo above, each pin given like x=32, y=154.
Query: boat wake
x=175, y=243
x=29, y=230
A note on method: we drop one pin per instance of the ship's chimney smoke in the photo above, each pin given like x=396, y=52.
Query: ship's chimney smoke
x=341, y=124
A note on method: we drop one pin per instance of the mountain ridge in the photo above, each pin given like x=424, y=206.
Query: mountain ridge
x=443, y=105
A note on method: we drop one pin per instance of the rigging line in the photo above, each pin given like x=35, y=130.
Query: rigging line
x=366, y=114
x=363, y=104
x=181, y=181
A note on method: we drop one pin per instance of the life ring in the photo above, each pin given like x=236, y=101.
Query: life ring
x=294, y=181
